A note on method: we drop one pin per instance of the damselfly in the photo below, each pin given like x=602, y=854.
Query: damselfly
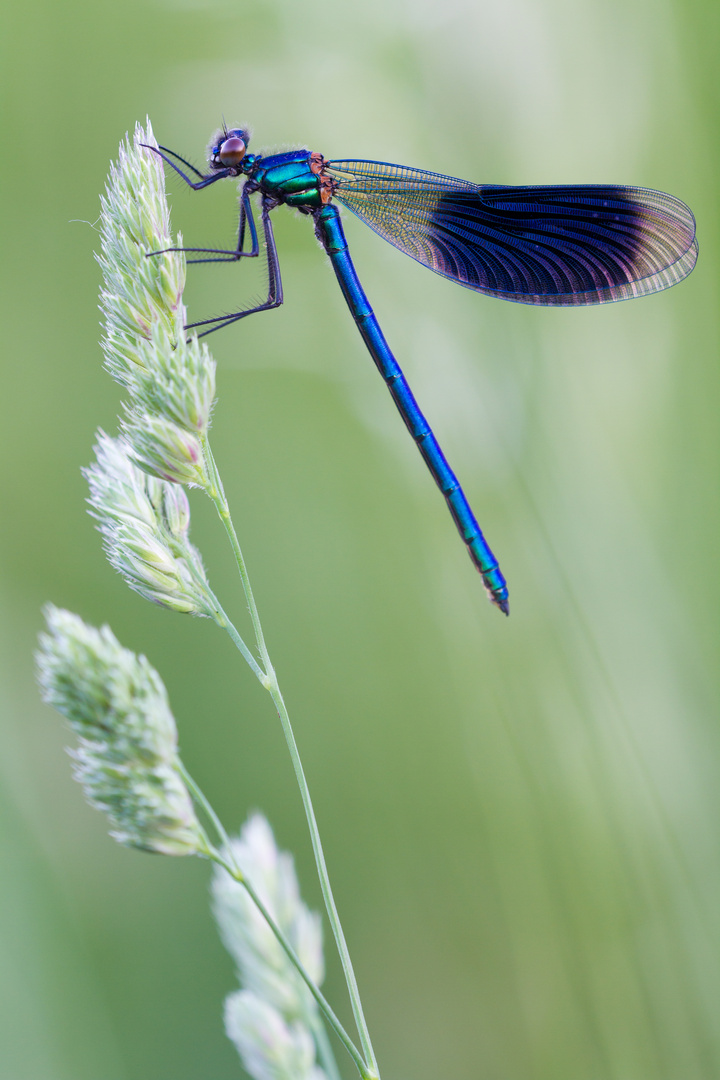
x=561, y=246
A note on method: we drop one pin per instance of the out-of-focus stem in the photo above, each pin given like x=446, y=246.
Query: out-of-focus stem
x=270, y=682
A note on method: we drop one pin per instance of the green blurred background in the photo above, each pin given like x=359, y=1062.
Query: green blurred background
x=521, y=816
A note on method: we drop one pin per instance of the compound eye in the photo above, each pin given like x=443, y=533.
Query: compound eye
x=232, y=151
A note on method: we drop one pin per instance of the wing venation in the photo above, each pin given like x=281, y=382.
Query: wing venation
x=561, y=245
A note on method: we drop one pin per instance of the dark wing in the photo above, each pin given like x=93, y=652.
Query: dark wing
x=586, y=244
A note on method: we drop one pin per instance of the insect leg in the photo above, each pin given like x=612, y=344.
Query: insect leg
x=229, y=255
x=275, y=290
x=189, y=164
x=205, y=179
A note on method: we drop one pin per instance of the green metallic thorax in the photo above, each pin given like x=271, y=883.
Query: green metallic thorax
x=288, y=177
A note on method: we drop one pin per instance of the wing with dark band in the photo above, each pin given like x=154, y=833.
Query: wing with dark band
x=569, y=245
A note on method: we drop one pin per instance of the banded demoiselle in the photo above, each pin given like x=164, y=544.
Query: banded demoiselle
x=561, y=246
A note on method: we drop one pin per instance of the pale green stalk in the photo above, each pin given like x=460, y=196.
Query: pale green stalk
x=222, y=620
x=332, y=1019
x=327, y=1058
x=236, y=873
x=215, y=490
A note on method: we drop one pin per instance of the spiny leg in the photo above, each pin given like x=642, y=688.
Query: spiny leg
x=189, y=164
x=275, y=290
x=205, y=179
x=227, y=255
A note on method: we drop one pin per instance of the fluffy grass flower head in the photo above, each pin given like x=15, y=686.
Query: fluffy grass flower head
x=271, y=1048
x=273, y=1020
x=170, y=380
x=127, y=759
x=261, y=963
x=144, y=522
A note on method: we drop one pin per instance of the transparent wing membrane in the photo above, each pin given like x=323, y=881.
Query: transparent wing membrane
x=564, y=246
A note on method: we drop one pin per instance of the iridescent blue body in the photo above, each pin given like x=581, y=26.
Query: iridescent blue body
x=330, y=232
x=560, y=246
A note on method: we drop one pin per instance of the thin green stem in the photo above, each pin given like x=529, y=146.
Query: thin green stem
x=319, y=1032
x=322, y=870
x=217, y=494
x=237, y=875
x=224, y=622
x=202, y=800
x=324, y=1049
